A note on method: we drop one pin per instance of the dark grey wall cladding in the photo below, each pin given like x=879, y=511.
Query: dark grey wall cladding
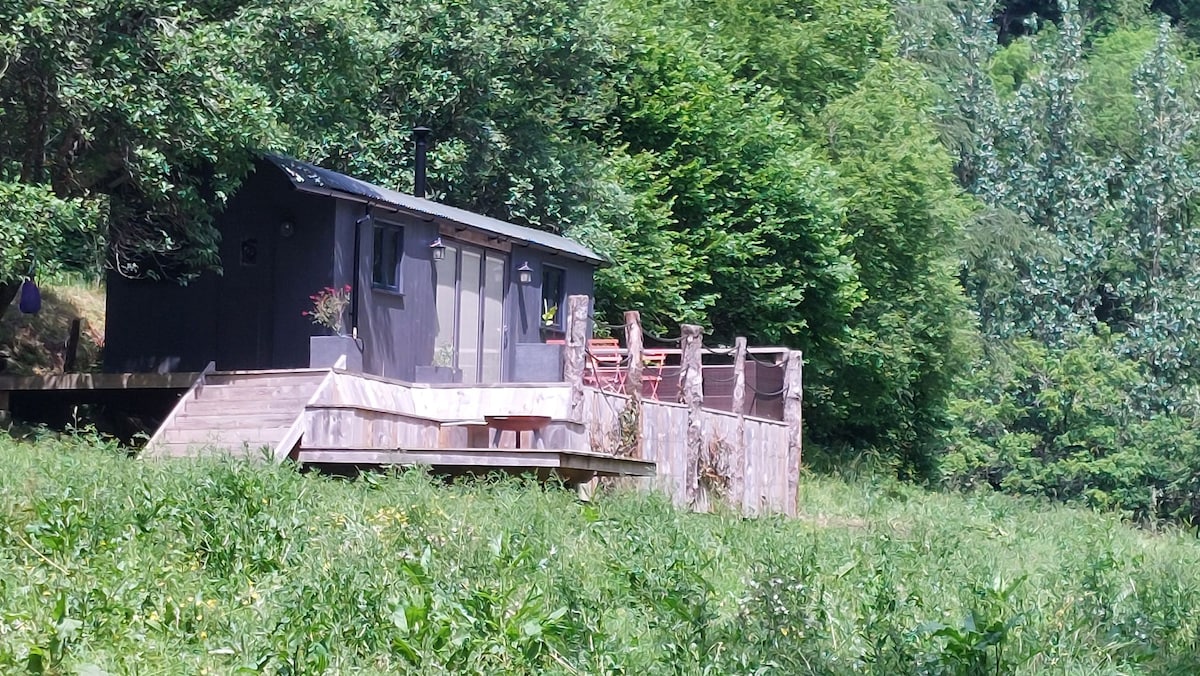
x=525, y=301
x=150, y=326
x=280, y=246
x=397, y=327
x=249, y=316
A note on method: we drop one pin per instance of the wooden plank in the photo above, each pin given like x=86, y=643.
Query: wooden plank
x=235, y=394
x=208, y=407
x=224, y=437
x=235, y=419
x=472, y=237
x=100, y=381
x=308, y=379
x=481, y=457
x=351, y=428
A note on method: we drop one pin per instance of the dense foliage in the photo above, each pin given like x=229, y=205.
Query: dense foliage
x=113, y=566
x=926, y=196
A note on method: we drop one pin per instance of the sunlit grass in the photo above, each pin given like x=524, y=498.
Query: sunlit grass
x=187, y=567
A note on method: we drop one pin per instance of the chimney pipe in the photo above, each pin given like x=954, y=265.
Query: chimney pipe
x=421, y=137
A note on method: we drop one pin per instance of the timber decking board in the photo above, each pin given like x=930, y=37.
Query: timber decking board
x=236, y=411
x=100, y=381
x=500, y=458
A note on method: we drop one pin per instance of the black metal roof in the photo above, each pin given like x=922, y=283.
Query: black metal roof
x=311, y=178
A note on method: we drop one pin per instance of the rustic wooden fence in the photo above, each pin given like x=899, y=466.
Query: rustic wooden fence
x=702, y=455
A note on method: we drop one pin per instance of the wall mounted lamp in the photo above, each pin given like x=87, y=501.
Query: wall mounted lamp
x=525, y=273
x=438, y=249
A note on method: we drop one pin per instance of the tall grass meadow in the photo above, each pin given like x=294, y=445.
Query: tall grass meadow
x=116, y=565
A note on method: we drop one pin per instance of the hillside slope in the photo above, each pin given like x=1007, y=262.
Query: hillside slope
x=35, y=344
x=205, y=567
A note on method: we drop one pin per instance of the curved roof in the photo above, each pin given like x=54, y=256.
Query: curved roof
x=311, y=178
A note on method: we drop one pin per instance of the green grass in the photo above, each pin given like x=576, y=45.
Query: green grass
x=124, y=566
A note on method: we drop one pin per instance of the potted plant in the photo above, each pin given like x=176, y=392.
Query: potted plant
x=550, y=328
x=442, y=369
x=328, y=311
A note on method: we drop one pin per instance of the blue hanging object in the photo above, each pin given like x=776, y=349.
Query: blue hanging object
x=31, y=297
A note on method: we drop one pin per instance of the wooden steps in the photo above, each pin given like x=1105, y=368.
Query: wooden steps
x=240, y=413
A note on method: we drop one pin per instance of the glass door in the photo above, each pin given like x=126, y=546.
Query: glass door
x=492, y=343
x=470, y=312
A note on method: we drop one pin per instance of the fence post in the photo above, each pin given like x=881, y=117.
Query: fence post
x=737, y=459
x=573, y=351
x=793, y=400
x=691, y=391
x=633, y=379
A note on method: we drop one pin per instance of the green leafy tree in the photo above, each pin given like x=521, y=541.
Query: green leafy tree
x=1155, y=250
x=135, y=107
x=910, y=335
x=747, y=214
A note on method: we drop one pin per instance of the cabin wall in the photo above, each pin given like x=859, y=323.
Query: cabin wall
x=397, y=328
x=276, y=252
x=159, y=326
x=262, y=298
x=530, y=359
x=248, y=317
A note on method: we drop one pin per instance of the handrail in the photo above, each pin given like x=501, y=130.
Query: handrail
x=676, y=350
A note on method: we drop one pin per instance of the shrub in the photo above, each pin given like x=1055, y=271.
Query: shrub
x=1065, y=423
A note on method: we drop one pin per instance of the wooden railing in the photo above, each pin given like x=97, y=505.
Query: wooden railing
x=613, y=369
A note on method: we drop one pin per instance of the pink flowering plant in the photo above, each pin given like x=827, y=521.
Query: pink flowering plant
x=329, y=305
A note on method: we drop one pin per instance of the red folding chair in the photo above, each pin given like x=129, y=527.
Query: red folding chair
x=604, y=365
x=653, y=363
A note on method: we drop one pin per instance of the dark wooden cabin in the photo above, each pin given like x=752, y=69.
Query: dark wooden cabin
x=440, y=294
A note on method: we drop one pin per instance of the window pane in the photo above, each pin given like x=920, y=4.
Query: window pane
x=469, y=316
x=552, y=295
x=387, y=254
x=493, y=318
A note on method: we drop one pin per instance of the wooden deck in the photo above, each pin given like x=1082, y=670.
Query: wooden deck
x=98, y=381
x=340, y=421
x=334, y=419
x=572, y=465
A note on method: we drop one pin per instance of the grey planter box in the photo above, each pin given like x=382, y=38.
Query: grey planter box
x=438, y=374
x=324, y=351
x=537, y=363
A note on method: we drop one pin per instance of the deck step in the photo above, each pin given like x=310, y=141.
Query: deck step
x=231, y=436
x=237, y=419
x=238, y=413
x=266, y=379
x=237, y=392
x=209, y=407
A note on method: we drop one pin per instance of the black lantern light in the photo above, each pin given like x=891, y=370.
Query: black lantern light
x=525, y=273
x=438, y=249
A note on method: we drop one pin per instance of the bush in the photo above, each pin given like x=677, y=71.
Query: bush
x=1065, y=423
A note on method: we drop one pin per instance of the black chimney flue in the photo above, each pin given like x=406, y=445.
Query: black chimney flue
x=421, y=137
